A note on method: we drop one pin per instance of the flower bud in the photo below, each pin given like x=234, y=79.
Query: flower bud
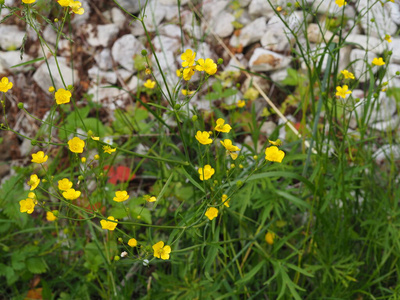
x=33, y=143
x=144, y=52
x=116, y=258
x=239, y=183
x=80, y=177
x=96, y=157
x=194, y=118
x=20, y=105
x=177, y=106
x=220, y=61
x=83, y=160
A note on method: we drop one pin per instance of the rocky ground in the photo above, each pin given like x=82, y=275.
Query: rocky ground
x=107, y=44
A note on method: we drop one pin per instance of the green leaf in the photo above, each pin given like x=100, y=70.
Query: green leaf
x=295, y=200
x=36, y=265
x=250, y=274
x=194, y=182
x=28, y=62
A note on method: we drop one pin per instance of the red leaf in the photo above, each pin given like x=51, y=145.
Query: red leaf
x=121, y=173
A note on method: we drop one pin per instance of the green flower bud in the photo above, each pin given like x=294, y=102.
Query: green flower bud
x=120, y=240
x=177, y=107
x=70, y=87
x=80, y=177
x=56, y=212
x=194, y=118
x=117, y=258
x=372, y=20
x=398, y=73
x=20, y=105
x=390, y=52
x=220, y=61
x=144, y=52
x=33, y=142
x=90, y=133
x=239, y=183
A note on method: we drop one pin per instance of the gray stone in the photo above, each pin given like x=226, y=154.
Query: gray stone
x=49, y=35
x=165, y=43
x=42, y=77
x=211, y=9
x=383, y=23
x=315, y=35
x=124, y=50
x=395, y=44
x=170, y=30
x=263, y=8
x=359, y=65
x=171, y=12
x=12, y=58
x=387, y=152
x=173, y=2
x=394, y=11
x=275, y=39
x=98, y=75
x=131, y=5
x=365, y=42
x=103, y=59
x=155, y=13
x=118, y=17
x=265, y=60
x=279, y=75
x=250, y=33
x=222, y=24
x=268, y=128
x=102, y=94
x=101, y=35
x=10, y=37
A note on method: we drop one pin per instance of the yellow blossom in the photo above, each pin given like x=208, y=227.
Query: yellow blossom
x=95, y=138
x=208, y=65
x=76, y=145
x=51, y=89
x=147, y=71
x=27, y=205
x=121, y=196
x=5, y=85
x=76, y=7
x=62, y=96
x=108, y=224
x=211, y=213
x=340, y=3
x=206, y=173
x=222, y=127
x=149, y=198
x=225, y=200
x=132, y=242
x=161, y=251
x=234, y=156
x=83, y=160
x=347, y=74
x=179, y=72
x=39, y=157
x=71, y=194
x=269, y=237
x=378, y=61
x=32, y=196
x=278, y=142
x=64, y=3
x=150, y=84
x=188, y=73
x=96, y=157
x=227, y=143
x=342, y=91
x=50, y=216
x=108, y=149
x=241, y=103
x=28, y=1
x=33, y=181
x=188, y=58
x=203, y=137
x=274, y=154
x=64, y=184
x=388, y=38
x=187, y=92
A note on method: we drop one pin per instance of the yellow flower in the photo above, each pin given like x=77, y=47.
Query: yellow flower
x=150, y=84
x=96, y=157
x=64, y=3
x=274, y=154
x=5, y=85
x=340, y=3
x=95, y=138
x=71, y=194
x=188, y=58
x=241, y=103
x=64, y=184
x=147, y=71
x=269, y=237
x=378, y=61
x=342, y=91
x=278, y=142
x=76, y=145
x=227, y=143
x=33, y=182
x=121, y=196
x=33, y=197
x=206, y=173
x=222, y=127
x=50, y=216
x=225, y=200
x=28, y=1
x=209, y=66
x=233, y=155
x=83, y=160
x=203, y=137
x=388, y=38
x=27, y=205
x=188, y=73
x=347, y=74
x=161, y=251
x=51, y=89
x=109, y=225
x=211, y=213
x=187, y=92
x=76, y=7
x=39, y=157
x=132, y=242
x=62, y=96
x=179, y=72
x=149, y=198
x=108, y=149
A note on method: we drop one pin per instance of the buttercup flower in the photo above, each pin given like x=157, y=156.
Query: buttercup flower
x=28, y=1
x=62, y=96
x=64, y=3
x=388, y=38
x=233, y=155
x=241, y=103
x=33, y=197
x=187, y=92
x=227, y=143
x=188, y=58
x=269, y=237
x=71, y=194
x=76, y=145
x=150, y=84
x=203, y=137
x=224, y=200
x=149, y=198
x=188, y=73
x=108, y=149
x=95, y=138
x=39, y=157
x=222, y=127
x=132, y=242
x=206, y=173
x=347, y=74
x=340, y=3
x=278, y=142
x=121, y=196
x=378, y=61
x=109, y=225
x=27, y=205
x=5, y=85
x=50, y=216
x=161, y=251
x=342, y=91
x=179, y=72
x=51, y=89
x=33, y=182
x=76, y=7
x=64, y=184
x=211, y=213
x=274, y=154
x=147, y=71
x=208, y=65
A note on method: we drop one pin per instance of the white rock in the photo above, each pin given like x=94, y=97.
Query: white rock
x=118, y=17
x=389, y=125
x=235, y=64
x=395, y=44
x=275, y=39
x=171, y=12
x=153, y=16
x=101, y=35
x=315, y=35
x=166, y=60
x=361, y=59
x=10, y=37
x=265, y=60
x=12, y=58
x=102, y=94
x=131, y=5
x=222, y=25
x=250, y=33
x=394, y=11
x=204, y=51
x=79, y=20
x=165, y=43
x=98, y=75
x=134, y=83
x=387, y=153
x=279, y=75
x=263, y=8
x=268, y=128
x=173, y=2
x=211, y=9
x=365, y=42
x=49, y=35
x=124, y=50
x=382, y=24
x=391, y=77
x=330, y=7
x=103, y=59
x=170, y=30
x=137, y=29
x=244, y=3
x=42, y=77
x=123, y=74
